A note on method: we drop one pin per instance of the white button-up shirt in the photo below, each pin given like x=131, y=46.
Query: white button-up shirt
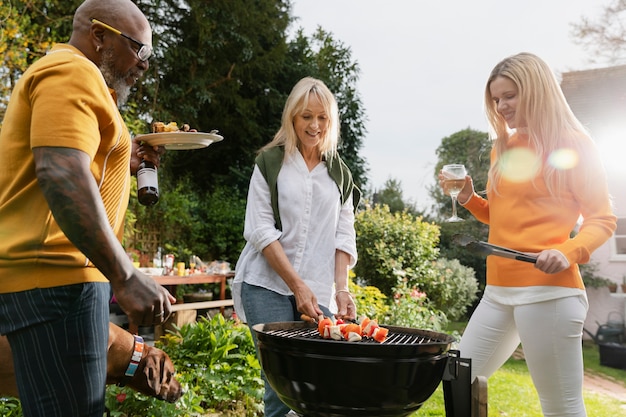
x=314, y=223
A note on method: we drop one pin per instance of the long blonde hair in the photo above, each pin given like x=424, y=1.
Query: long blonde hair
x=297, y=101
x=550, y=122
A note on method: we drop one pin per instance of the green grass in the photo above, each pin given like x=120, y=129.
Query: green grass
x=511, y=391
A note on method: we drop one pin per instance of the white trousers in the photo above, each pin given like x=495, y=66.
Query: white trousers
x=551, y=336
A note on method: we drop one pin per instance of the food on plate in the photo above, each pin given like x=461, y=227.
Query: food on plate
x=160, y=127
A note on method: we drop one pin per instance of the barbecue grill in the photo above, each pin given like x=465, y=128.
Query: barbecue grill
x=317, y=377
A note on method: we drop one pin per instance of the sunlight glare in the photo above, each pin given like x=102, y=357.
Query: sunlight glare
x=607, y=145
x=563, y=158
x=519, y=165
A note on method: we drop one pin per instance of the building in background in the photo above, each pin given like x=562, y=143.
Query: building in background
x=598, y=98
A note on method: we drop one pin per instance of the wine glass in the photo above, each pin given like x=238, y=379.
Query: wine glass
x=453, y=183
x=192, y=263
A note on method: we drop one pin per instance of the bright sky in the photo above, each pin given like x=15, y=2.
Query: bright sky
x=424, y=66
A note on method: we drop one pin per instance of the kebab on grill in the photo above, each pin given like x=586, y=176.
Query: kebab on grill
x=352, y=332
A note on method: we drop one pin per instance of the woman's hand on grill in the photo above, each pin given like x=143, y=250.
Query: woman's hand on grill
x=346, y=309
x=306, y=302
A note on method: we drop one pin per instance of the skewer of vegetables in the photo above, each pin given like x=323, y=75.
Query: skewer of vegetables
x=352, y=332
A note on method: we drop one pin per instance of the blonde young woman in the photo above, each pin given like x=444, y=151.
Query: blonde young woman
x=545, y=175
x=299, y=225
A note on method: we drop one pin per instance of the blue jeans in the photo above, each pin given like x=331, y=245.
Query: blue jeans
x=59, y=338
x=264, y=306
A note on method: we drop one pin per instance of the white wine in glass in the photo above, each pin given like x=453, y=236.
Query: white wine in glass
x=453, y=183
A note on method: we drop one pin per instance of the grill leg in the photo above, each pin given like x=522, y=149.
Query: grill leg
x=462, y=397
x=479, y=397
x=457, y=385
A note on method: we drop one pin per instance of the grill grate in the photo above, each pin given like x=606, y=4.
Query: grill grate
x=393, y=338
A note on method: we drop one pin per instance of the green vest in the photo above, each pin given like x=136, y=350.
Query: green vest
x=271, y=160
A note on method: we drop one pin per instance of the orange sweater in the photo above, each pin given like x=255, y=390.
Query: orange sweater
x=522, y=215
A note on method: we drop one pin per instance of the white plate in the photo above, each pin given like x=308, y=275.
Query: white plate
x=174, y=141
x=152, y=271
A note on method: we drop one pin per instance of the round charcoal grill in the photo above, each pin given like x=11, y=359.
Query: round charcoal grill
x=317, y=377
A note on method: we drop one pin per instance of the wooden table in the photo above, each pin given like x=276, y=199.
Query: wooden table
x=171, y=282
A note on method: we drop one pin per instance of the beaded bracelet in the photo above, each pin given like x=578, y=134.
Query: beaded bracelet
x=346, y=291
x=134, y=360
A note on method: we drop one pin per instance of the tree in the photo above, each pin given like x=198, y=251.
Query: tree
x=604, y=37
x=232, y=70
x=333, y=63
x=27, y=30
x=217, y=65
x=391, y=196
x=468, y=147
x=471, y=148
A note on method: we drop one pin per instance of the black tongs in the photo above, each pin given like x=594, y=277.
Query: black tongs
x=486, y=249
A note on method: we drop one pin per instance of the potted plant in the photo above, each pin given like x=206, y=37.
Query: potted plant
x=591, y=279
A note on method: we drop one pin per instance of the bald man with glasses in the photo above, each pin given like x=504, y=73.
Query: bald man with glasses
x=65, y=169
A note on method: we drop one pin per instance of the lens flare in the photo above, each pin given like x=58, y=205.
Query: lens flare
x=519, y=165
x=563, y=159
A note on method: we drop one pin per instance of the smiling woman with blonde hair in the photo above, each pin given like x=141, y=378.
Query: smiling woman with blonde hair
x=306, y=89
x=299, y=226
x=551, y=126
x=545, y=175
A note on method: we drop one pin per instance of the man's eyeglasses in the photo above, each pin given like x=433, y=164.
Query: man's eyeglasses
x=143, y=53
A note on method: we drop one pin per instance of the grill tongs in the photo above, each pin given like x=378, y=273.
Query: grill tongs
x=485, y=248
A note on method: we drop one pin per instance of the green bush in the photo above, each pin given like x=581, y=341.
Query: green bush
x=408, y=308
x=217, y=365
x=210, y=226
x=394, y=248
x=398, y=255
x=412, y=308
x=369, y=302
x=453, y=289
x=224, y=214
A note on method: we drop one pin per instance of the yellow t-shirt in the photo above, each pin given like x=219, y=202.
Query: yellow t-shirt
x=62, y=100
x=523, y=215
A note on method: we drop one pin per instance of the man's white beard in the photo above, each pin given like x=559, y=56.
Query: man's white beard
x=113, y=78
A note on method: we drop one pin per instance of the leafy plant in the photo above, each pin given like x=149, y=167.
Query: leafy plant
x=10, y=407
x=124, y=402
x=412, y=308
x=453, y=289
x=219, y=361
x=394, y=249
x=590, y=276
x=397, y=255
x=369, y=301
x=216, y=363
